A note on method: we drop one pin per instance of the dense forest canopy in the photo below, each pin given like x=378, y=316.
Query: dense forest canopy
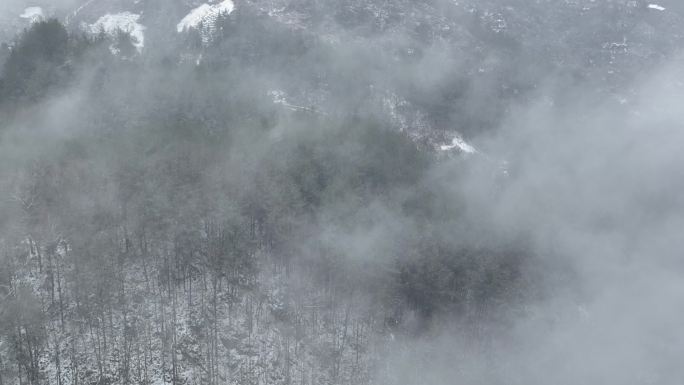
x=342, y=192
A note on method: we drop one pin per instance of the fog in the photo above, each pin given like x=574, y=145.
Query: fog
x=293, y=163
x=594, y=186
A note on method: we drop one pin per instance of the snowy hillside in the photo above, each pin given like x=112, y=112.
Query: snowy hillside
x=33, y=14
x=112, y=24
x=341, y=192
x=204, y=19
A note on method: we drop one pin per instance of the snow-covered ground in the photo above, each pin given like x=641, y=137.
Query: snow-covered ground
x=459, y=143
x=33, y=14
x=205, y=14
x=204, y=18
x=280, y=97
x=126, y=22
x=77, y=10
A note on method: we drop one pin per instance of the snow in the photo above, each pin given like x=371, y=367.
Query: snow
x=33, y=14
x=194, y=18
x=76, y=12
x=280, y=97
x=205, y=14
x=127, y=22
x=461, y=144
x=656, y=7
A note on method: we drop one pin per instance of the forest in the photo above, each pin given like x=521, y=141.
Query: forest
x=366, y=193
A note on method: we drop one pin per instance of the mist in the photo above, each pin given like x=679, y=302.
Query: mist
x=592, y=186
x=345, y=192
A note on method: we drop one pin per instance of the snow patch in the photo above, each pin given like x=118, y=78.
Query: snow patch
x=280, y=97
x=460, y=144
x=33, y=14
x=126, y=22
x=205, y=16
x=76, y=12
x=656, y=7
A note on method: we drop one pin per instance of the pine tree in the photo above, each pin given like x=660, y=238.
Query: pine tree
x=36, y=62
